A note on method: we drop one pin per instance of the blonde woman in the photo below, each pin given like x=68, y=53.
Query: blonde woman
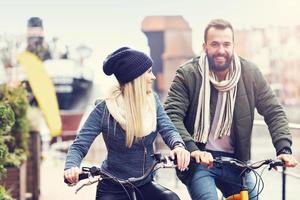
x=129, y=119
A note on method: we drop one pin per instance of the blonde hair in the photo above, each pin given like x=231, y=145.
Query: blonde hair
x=136, y=101
x=136, y=104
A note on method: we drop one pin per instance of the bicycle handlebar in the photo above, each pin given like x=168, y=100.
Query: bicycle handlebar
x=96, y=171
x=273, y=163
x=248, y=167
x=165, y=161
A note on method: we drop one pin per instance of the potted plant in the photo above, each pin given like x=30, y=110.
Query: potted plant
x=14, y=138
x=7, y=120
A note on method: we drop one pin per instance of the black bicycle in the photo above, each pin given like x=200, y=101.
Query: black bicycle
x=90, y=173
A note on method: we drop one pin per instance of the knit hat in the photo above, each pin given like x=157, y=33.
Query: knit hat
x=126, y=64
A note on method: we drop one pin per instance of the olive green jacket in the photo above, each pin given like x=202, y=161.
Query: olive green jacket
x=252, y=92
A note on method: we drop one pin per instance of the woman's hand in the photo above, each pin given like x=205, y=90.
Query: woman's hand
x=72, y=174
x=182, y=156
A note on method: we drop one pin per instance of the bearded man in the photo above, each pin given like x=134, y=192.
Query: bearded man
x=211, y=102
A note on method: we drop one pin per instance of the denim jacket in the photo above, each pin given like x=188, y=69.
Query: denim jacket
x=121, y=161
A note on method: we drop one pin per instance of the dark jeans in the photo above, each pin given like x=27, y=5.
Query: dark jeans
x=108, y=190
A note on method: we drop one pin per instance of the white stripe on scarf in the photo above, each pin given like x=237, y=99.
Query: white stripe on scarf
x=227, y=89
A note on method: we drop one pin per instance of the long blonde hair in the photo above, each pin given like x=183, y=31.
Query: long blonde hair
x=136, y=101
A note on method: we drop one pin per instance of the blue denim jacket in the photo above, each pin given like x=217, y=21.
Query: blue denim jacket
x=121, y=161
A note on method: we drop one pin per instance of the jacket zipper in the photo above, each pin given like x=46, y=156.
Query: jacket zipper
x=145, y=156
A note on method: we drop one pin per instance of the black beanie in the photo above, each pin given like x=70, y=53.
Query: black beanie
x=126, y=64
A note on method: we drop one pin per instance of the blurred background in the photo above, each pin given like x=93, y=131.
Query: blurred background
x=71, y=39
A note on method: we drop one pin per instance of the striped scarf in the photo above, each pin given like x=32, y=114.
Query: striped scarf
x=227, y=89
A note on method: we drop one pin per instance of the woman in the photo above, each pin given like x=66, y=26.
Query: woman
x=129, y=119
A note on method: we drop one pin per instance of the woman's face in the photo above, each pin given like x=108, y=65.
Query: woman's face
x=149, y=78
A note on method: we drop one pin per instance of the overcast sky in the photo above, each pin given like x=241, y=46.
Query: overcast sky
x=108, y=24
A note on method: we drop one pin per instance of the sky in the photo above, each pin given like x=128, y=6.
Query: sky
x=106, y=25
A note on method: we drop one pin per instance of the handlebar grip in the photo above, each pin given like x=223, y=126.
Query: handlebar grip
x=276, y=163
x=66, y=181
x=81, y=177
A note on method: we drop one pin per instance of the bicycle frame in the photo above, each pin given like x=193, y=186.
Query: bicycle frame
x=244, y=195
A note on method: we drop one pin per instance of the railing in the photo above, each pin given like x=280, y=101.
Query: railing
x=284, y=173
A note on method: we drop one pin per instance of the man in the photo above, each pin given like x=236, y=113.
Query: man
x=211, y=102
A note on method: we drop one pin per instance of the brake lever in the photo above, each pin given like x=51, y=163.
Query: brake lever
x=169, y=162
x=169, y=165
x=276, y=163
x=86, y=184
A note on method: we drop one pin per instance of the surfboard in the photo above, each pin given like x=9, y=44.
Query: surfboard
x=43, y=90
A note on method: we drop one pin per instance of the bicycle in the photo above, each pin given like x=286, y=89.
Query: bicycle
x=160, y=161
x=246, y=168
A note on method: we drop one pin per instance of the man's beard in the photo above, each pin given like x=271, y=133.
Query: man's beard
x=219, y=68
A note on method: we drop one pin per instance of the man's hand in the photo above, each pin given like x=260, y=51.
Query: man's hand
x=203, y=157
x=289, y=160
x=182, y=156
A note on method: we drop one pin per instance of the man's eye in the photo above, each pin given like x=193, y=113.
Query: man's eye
x=214, y=44
x=227, y=44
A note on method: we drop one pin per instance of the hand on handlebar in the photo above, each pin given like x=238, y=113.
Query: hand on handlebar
x=72, y=175
x=289, y=160
x=182, y=157
x=203, y=157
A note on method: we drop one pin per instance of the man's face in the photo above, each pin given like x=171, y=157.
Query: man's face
x=219, y=48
